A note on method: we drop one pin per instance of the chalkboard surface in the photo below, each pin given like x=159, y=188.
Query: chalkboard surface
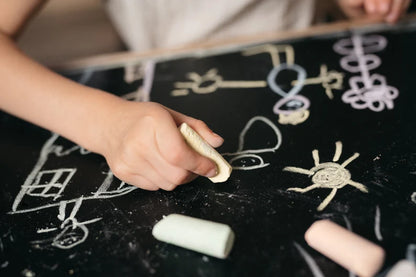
x=290, y=112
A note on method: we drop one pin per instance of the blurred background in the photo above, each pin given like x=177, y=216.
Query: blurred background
x=66, y=30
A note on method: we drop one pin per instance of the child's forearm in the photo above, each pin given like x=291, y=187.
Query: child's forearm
x=140, y=141
x=36, y=94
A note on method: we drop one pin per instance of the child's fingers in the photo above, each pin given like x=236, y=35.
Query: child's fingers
x=354, y=3
x=405, y=7
x=383, y=6
x=352, y=8
x=200, y=127
x=191, y=177
x=377, y=7
x=152, y=174
x=370, y=6
x=141, y=182
x=187, y=158
x=398, y=7
x=177, y=152
x=394, y=11
x=135, y=170
x=174, y=175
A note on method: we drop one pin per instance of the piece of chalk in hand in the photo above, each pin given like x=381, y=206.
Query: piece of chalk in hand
x=207, y=237
x=351, y=251
x=202, y=147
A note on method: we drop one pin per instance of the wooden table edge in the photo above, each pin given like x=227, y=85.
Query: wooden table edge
x=125, y=57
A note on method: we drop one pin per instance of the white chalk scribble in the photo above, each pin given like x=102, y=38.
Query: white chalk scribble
x=45, y=187
x=377, y=230
x=313, y=266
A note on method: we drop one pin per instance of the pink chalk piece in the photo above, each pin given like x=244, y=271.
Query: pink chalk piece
x=349, y=250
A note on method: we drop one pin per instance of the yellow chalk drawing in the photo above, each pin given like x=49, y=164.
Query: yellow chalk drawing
x=210, y=82
x=282, y=57
x=179, y=92
x=328, y=79
x=274, y=51
x=328, y=175
x=294, y=118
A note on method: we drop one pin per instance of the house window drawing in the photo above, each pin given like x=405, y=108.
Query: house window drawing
x=51, y=183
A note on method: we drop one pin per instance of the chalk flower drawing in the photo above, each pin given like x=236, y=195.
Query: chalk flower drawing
x=368, y=91
x=328, y=175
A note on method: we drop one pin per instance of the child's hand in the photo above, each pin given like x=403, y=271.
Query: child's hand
x=145, y=148
x=389, y=10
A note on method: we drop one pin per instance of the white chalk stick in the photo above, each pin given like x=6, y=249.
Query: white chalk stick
x=403, y=268
x=207, y=237
x=351, y=251
x=202, y=147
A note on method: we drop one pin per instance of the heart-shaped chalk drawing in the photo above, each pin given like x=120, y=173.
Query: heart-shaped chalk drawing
x=271, y=79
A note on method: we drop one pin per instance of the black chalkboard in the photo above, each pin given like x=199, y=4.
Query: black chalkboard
x=63, y=213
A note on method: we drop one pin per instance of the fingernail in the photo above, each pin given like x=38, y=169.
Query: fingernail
x=219, y=137
x=216, y=135
x=218, y=140
x=212, y=173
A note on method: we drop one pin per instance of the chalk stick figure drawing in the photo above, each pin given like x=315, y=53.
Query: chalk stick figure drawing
x=72, y=232
x=328, y=175
x=368, y=91
x=292, y=108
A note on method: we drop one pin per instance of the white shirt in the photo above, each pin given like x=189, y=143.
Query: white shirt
x=148, y=24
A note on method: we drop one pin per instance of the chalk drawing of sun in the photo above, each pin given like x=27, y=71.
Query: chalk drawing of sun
x=328, y=175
